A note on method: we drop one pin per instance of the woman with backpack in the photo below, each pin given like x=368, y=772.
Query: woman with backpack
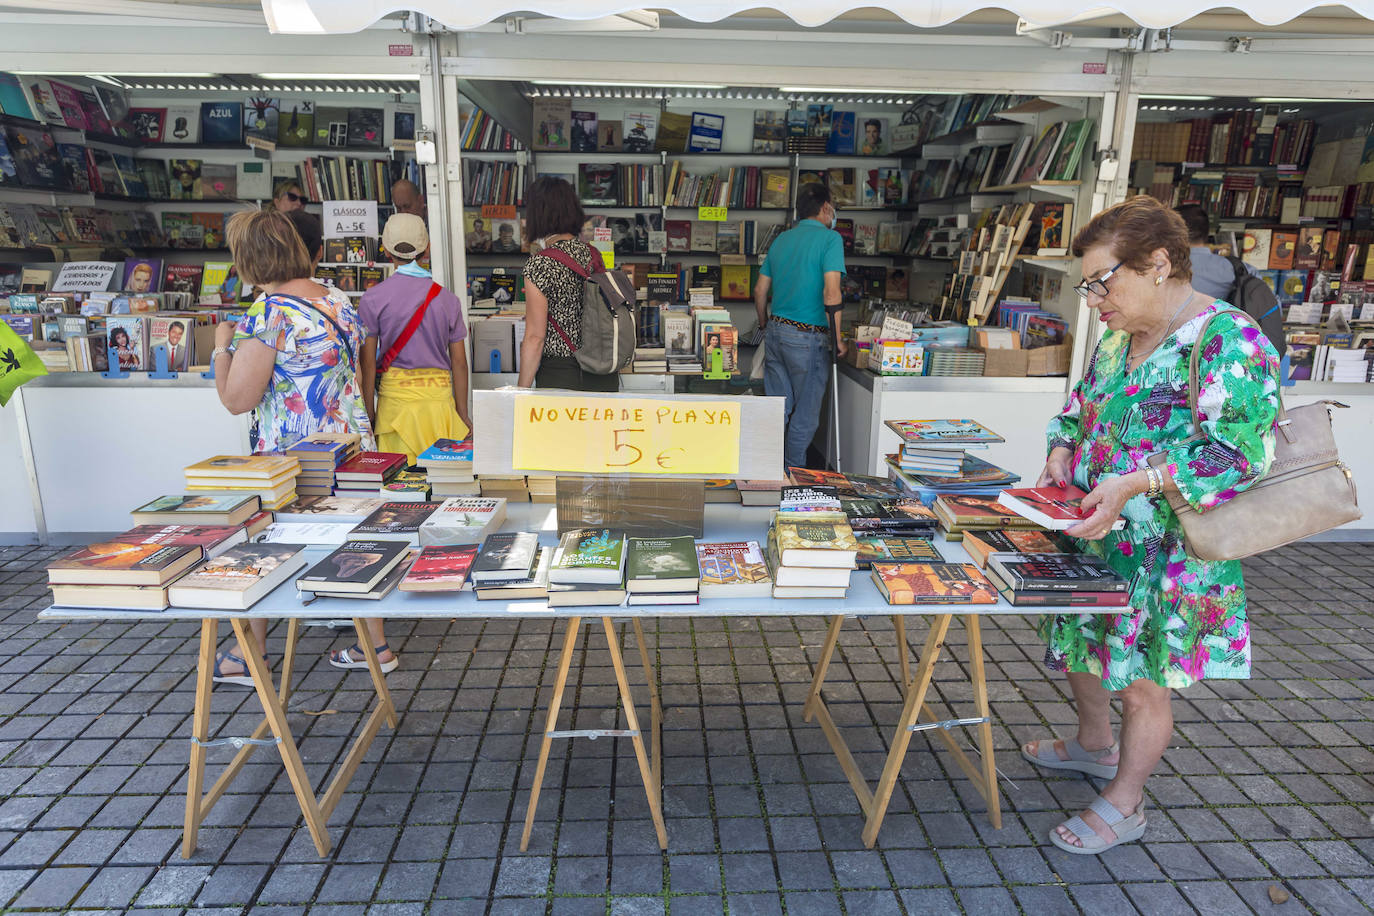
x=554, y=291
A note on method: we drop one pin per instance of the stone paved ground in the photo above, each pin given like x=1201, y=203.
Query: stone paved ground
x=1267, y=782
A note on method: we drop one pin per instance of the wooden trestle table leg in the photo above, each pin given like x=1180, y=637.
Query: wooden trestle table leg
x=200, y=731
x=551, y=723
x=832, y=636
x=646, y=773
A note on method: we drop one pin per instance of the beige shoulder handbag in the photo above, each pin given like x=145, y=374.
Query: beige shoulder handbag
x=1306, y=491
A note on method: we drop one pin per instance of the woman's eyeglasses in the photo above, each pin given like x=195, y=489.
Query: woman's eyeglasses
x=1099, y=285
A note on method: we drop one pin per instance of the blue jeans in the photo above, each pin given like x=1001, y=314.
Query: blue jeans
x=796, y=366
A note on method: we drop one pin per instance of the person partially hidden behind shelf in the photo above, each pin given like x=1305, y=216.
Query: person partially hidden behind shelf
x=1186, y=621
x=292, y=361
x=406, y=198
x=1213, y=275
x=802, y=272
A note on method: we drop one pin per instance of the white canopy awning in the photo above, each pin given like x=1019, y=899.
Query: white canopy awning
x=330, y=16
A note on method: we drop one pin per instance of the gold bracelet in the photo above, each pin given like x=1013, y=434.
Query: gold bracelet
x=1156, y=484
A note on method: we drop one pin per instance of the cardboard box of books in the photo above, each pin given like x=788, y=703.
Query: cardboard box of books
x=1018, y=363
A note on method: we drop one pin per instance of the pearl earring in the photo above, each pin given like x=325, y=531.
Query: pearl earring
x=1158, y=280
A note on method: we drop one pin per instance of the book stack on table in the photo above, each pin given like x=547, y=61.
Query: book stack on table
x=974, y=476
x=1028, y=579
x=542, y=489
x=406, y=486
x=272, y=478
x=513, y=489
x=961, y=512
x=588, y=568
x=367, y=472
x=810, y=545
x=662, y=571
x=319, y=456
x=938, y=446
x=512, y=566
x=321, y=519
x=448, y=467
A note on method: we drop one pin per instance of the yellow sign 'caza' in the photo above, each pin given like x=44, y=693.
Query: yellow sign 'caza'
x=625, y=435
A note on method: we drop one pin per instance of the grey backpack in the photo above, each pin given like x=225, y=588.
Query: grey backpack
x=608, y=318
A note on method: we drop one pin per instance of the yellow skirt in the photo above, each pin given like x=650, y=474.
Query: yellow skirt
x=414, y=409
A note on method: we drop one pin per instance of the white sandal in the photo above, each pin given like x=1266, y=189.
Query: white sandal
x=1080, y=760
x=1093, y=843
x=353, y=658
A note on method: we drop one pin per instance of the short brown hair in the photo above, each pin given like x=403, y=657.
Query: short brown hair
x=266, y=248
x=1134, y=228
x=553, y=209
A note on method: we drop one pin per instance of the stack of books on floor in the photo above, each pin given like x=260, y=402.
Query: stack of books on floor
x=974, y=476
x=513, y=489
x=960, y=512
x=760, y=492
x=395, y=521
x=367, y=472
x=228, y=509
x=358, y=568
x=406, y=486
x=319, y=456
x=733, y=569
x=272, y=478
x=542, y=489
x=511, y=566
x=1050, y=579
x=662, y=571
x=448, y=467
x=463, y=520
x=811, y=547
x=588, y=568
x=321, y=519
x=938, y=446
x=722, y=490
x=440, y=568
x=933, y=583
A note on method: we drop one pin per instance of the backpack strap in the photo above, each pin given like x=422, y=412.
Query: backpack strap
x=568, y=261
x=409, y=330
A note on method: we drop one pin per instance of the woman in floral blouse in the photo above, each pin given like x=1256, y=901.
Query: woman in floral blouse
x=1186, y=619
x=291, y=360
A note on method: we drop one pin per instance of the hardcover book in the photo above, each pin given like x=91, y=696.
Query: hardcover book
x=213, y=539
x=355, y=567
x=585, y=595
x=371, y=467
x=221, y=122
x=331, y=509
x=1055, y=508
x=261, y=115
x=552, y=124
x=981, y=544
x=121, y=562
x=661, y=565
x=445, y=452
x=1055, y=572
x=365, y=127
x=894, y=514
x=829, y=545
x=439, y=569
x=197, y=509
x=952, y=432
x=960, y=511
x=506, y=556
x=933, y=583
x=588, y=555
x=239, y=577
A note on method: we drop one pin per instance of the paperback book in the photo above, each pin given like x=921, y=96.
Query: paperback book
x=933, y=583
x=198, y=509
x=733, y=569
x=439, y=569
x=355, y=567
x=238, y=578
x=661, y=565
x=123, y=563
x=506, y=556
x=400, y=521
x=588, y=556
x=535, y=585
x=1054, y=508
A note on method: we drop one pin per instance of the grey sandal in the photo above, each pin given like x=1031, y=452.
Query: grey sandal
x=1080, y=760
x=1127, y=827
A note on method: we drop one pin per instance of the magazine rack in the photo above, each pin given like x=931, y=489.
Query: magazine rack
x=160, y=368
x=113, y=370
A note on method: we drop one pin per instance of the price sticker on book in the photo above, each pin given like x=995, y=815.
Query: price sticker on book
x=713, y=214
x=776, y=183
x=498, y=211
x=625, y=435
x=350, y=217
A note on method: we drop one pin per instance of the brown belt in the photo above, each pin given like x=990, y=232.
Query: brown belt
x=813, y=328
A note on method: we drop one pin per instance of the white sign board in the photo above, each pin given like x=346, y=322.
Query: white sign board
x=84, y=276
x=344, y=218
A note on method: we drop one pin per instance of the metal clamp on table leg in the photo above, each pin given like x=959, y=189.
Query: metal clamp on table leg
x=947, y=724
x=594, y=733
x=237, y=742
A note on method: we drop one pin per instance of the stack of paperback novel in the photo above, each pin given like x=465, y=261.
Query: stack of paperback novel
x=982, y=544
x=938, y=446
x=123, y=573
x=543, y=489
x=1050, y=579
x=510, y=566
x=514, y=489
x=894, y=516
x=588, y=568
x=759, y=492
x=933, y=583
x=662, y=571
x=321, y=519
x=406, y=486
x=448, y=466
x=366, y=472
x=463, y=520
x=357, y=569
x=1055, y=508
x=237, y=578
x=810, y=546
x=974, y=476
x=734, y=569
x=846, y=486
x=960, y=512
x=205, y=509
x=399, y=521
x=272, y=478
x=319, y=455
x=439, y=568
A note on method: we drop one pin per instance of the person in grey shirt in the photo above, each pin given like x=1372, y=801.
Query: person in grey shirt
x=1213, y=275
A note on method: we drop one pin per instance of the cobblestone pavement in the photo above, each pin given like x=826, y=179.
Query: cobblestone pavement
x=1266, y=784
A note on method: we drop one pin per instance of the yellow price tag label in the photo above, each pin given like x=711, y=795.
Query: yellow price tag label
x=776, y=182
x=625, y=435
x=713, y=214
x=608, y=259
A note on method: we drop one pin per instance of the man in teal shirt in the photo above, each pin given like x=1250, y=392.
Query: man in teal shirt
x=802, y=271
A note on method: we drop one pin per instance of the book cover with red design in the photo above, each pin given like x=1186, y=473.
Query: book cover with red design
x=439, y=569
x=1055, y=508
x=371, y=467
x=933, y=583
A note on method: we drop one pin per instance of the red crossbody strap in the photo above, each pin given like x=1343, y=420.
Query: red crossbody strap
x=409, y=331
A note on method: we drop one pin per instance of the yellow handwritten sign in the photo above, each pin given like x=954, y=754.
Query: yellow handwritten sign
x=625, y=435
x=713, y=214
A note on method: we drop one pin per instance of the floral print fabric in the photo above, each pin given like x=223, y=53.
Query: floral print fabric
x=314, y=386
x=1186, y=619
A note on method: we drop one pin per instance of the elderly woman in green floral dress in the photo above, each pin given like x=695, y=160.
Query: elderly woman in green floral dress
x=1186, y=618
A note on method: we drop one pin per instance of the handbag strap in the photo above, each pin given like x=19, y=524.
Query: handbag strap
x=1195, y=359
x=409, y=330
x=338, y=328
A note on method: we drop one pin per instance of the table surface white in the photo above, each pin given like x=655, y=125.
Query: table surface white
x=722, y=523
